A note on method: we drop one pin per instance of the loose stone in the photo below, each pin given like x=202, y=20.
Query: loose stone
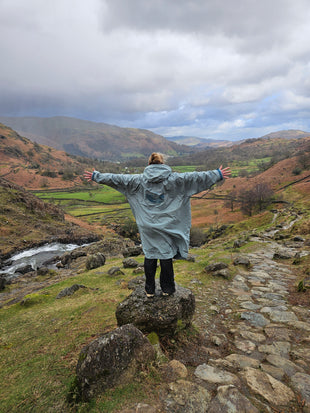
x=280, y=348
x=246, y=346
x=241, y=362
x=214, y=375
x=229, y=399
x=301, y=383
x=273, y=296
x=275, y=372
x=255, y=319
x=272, y=309
x=249, y=305
x=187, y=397
x=286, y=365
x=260, y=338
x=300, y=325
x=301, y=353
x=272, y=390
x=277, y=332
x=283, y=316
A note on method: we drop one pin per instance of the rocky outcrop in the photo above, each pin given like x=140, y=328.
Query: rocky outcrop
x=111, y=247
x=218, y=269
x=69, y=290
x=94, y=261
x=114, y=271
x=164, y=315
x=3, y=282
x=133, y=251
x=112, y=359
x=130, y=263
x=241, y=260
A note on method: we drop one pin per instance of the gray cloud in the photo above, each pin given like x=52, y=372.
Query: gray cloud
x=214, y=69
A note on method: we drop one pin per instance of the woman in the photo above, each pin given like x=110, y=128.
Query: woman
x=160, y=202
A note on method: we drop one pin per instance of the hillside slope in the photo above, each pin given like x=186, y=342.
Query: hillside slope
x=35, y=166
x=92, y=139
x=26, y=221
x=32, y=165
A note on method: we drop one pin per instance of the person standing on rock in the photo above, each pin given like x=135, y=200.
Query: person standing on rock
x=160, y=202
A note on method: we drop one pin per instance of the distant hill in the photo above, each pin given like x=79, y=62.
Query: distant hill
x=287, y=134
x=196, y=142
x=201, y=143
x=275, y=149
x=92, y=139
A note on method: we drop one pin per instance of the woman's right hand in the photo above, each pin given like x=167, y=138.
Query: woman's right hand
x=88, y=175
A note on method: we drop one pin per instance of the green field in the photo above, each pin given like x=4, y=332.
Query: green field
x=185, y=168
x=103, y=194
x=103, y=205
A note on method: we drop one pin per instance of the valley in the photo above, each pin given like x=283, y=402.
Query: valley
x=43, y=199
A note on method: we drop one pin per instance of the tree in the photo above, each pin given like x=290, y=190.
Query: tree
x=263, y=195
x=256, y=198
x=231, y=199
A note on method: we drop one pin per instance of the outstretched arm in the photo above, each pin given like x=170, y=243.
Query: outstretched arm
x=226, y=173
x=124, y=183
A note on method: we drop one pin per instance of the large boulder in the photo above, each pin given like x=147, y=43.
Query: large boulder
x=164, y=315
x=112, y=359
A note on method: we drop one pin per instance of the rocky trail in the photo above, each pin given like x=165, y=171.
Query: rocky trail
x=258, y=344
x=255, y=350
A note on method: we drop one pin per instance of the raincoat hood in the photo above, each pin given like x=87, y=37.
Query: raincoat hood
x=156, y=173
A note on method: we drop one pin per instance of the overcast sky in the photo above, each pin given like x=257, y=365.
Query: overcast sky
x=211, y=68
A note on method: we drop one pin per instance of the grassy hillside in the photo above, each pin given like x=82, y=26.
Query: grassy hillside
x=91, y=139
x=41, y=337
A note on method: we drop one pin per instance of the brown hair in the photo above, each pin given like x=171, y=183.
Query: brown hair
x=156, y=158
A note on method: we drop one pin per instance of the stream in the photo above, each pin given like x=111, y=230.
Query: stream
x=36, y=257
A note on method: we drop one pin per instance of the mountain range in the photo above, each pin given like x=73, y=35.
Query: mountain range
x=200, y=143
x=197, y=142
x=91, y=139
x=113, y=143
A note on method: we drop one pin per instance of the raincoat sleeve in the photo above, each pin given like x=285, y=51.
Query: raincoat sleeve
x=195, y=182
x=124, y=183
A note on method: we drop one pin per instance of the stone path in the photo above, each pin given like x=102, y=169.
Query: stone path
x=259, y=354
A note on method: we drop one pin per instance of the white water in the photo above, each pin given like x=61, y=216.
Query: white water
x=35, y=257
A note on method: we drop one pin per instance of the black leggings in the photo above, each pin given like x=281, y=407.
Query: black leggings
x=166, y=275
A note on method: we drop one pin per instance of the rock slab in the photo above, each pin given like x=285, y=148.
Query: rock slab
x=163, y=315
x=272, y=390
